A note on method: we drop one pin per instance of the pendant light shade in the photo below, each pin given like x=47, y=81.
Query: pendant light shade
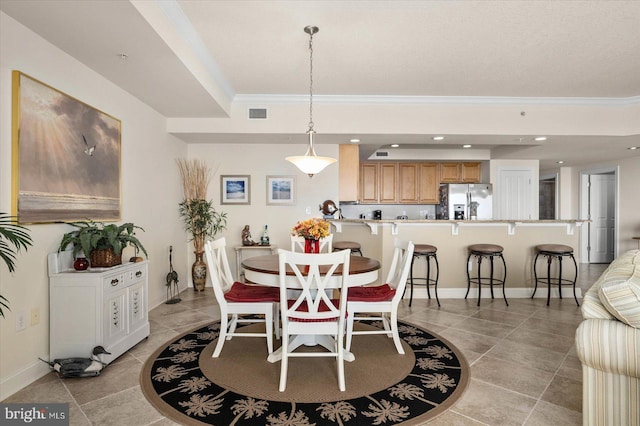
x=310, y=163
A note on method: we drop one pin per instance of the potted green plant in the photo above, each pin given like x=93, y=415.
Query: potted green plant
x=13, y=237
x=103, y=243
x=200, y=218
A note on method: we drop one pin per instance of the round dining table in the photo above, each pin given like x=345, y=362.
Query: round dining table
x=265, y=270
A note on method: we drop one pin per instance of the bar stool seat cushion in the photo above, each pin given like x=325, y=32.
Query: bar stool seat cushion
x=554, y=248
x=486, y=248
x=378, y=293
x=424, y=249
x=343, y=245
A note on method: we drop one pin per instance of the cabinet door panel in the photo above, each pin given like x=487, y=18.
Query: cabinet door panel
x=369, y=183
x=409, y=183
x=115, y=322
x=389, y=183
x=470, y=172
x=348, y=172
x=429, y=183
x=450, y=172
x=137, y=308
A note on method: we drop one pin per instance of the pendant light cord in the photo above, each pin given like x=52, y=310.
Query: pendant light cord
x=311, y=81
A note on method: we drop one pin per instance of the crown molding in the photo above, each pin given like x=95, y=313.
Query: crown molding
x=435, y=100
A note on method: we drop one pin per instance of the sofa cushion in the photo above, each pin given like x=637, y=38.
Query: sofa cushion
x=619, y=291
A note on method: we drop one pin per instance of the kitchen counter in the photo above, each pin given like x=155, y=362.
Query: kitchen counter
x=455, y=225
x=452, y=237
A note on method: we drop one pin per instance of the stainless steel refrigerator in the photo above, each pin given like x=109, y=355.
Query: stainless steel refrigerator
x=460, y=201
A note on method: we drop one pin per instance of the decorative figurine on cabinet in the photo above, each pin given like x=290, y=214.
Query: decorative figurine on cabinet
x=246, y=237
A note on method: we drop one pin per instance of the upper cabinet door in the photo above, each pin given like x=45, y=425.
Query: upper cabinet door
x=409, y=183
x=348, y=170
x=450, y=172
x=388, y=183
x=429, y=183
x=369, y=183
x=470, y=172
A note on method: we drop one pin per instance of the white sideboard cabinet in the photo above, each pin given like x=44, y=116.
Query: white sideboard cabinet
x=99, y=306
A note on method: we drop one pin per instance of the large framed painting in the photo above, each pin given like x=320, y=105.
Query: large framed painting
x=66, y=156
x=235, y=189
x=281, y=190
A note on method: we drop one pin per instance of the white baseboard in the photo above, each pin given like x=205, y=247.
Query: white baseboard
x=23, y=378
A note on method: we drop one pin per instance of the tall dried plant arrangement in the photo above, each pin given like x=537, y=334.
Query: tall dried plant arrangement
x=199, y=216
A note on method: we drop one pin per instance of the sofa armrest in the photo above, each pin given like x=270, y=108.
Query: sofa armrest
x=610, y=346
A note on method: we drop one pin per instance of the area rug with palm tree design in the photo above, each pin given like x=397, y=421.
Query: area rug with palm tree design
x=184, y=383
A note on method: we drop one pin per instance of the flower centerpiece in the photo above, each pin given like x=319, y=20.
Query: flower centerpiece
x=312, y=230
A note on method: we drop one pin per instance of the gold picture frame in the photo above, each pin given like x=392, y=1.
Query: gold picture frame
x=66, y=156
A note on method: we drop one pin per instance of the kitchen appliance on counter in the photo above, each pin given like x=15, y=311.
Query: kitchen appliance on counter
x=460, y=201
x=377, y=215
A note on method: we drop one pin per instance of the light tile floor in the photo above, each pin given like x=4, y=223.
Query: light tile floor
x=524, y=368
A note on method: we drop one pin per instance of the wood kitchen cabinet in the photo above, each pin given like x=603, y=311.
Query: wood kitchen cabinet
x=349, y=172
x=379, y=183
x=388, y=192
x=369, y=183
x=429, y=174
x=467, y=172
x=409, y=183
x=470, y=172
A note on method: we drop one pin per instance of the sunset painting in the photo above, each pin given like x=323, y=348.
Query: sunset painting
x=68, y=156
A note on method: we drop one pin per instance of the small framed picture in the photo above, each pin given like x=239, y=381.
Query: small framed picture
x=235, y=189
x=281, y=190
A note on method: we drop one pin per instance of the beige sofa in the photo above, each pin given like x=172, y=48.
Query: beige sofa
x=608, y=345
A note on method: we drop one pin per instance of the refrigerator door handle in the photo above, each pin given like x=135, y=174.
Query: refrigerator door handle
x=468, y=212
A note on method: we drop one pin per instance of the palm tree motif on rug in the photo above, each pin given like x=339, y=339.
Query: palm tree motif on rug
x=437, y=375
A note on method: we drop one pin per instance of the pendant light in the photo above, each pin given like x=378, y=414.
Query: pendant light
x=310, y=163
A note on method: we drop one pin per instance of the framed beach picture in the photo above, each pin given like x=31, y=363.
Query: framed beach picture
x=281, y=190
x=235, y=189
x=66, y=156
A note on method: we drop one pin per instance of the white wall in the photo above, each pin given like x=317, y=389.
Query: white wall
x=259, y=161
x=150, y=193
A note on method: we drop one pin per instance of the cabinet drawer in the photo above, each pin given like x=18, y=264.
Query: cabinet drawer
x=135, y=274
x=113, y=282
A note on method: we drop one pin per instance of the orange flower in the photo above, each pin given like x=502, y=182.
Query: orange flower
x=311, y=229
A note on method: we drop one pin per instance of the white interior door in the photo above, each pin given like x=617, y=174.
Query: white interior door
x=602, y=215
x=514, y=198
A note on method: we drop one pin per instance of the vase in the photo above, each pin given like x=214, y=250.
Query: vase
x=311, y=246
x=81, y=264
x=199, y=272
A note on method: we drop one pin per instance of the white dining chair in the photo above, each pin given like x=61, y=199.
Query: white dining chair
x=313, y=312
x=326, y=244
x=235, y=298
x=380, y=303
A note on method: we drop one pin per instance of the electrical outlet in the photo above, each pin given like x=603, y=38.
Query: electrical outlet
x=35, y=316
x=21, y=320
x=308, y=210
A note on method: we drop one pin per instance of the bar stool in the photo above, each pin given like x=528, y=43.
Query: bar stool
x=429, y=252
x=481, y=251
x=558, y=252
x=351, y=245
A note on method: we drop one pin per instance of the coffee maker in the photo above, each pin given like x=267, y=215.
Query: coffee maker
x=377, y=215
x=458, y=211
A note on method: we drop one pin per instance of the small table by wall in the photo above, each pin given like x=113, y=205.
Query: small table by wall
x=239, y=256
x=637, y=238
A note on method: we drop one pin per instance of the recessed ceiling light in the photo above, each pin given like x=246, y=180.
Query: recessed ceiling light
x=395, y=145
x=633, y=147
x=466, y=146
x=354, y=140
x=560, y=162
x=540, y=138
x=438, y=138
